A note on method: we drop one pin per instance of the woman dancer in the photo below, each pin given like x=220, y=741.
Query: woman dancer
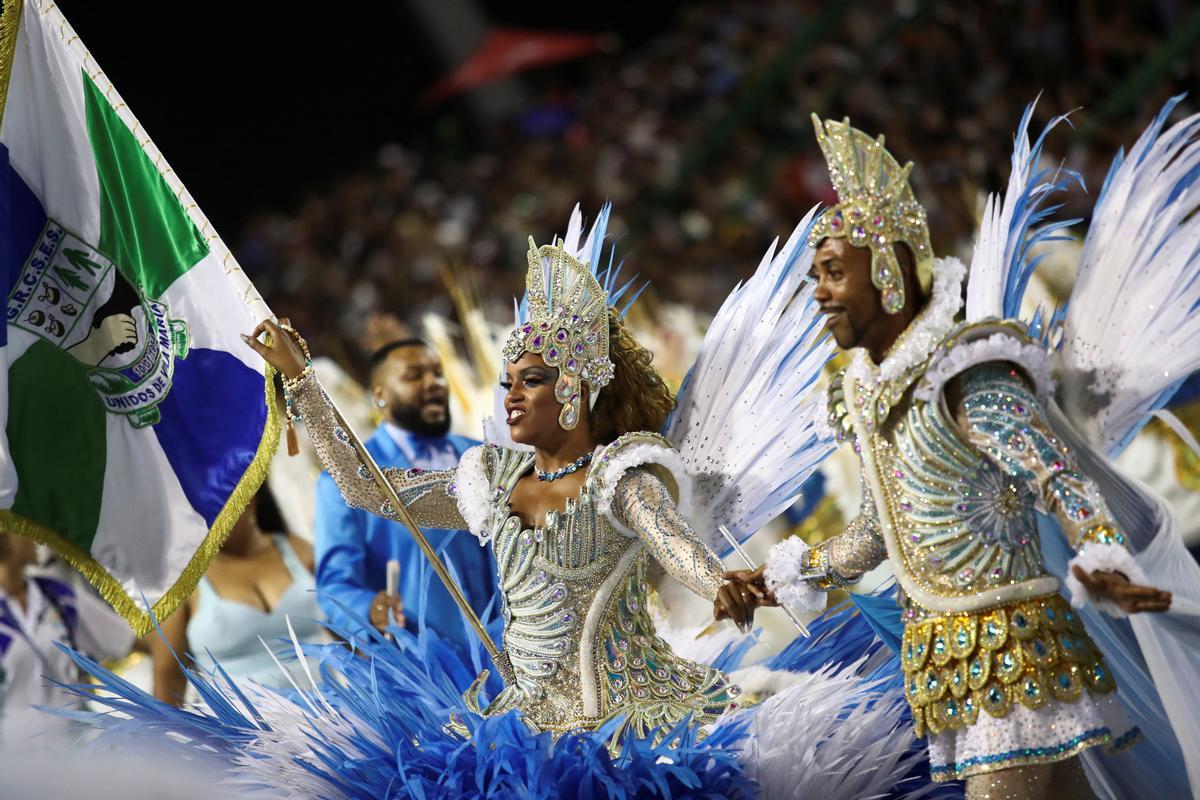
x=575, y=522
x=580, y=500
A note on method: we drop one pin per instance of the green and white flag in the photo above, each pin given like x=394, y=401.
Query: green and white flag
x=137, y=425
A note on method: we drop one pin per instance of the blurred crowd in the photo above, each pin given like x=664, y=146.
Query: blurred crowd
x=701, y=138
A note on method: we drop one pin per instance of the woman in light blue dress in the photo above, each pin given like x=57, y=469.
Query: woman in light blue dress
x=241, y=607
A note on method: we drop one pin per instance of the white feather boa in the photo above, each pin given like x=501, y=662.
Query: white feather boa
x=471, y=493
x=931, y=325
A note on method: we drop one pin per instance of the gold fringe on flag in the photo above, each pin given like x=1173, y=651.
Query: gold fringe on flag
x=139, y=618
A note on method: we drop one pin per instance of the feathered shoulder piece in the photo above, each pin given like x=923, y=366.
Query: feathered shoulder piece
x=974, y=343
x=638, y=449
x=748, y=418
x=487, y=472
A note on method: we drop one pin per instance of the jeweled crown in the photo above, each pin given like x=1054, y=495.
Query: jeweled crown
x=876, y=208
x=566, y=323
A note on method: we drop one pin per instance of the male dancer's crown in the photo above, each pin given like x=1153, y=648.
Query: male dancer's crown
x=875, y=209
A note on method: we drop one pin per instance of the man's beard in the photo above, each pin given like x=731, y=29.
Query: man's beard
x=409, y=417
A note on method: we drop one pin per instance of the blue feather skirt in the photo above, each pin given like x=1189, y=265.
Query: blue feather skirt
x=385, y=718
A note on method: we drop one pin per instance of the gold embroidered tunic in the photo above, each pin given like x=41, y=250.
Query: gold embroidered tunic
x=574, y=589
x=953, y=476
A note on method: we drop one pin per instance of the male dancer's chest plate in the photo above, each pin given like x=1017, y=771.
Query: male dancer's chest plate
x=959, y=525
x=962, y=525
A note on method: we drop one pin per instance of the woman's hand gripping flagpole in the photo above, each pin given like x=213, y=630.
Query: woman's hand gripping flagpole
x=283, y=351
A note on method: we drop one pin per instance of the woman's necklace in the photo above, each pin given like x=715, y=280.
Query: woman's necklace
x=575, y=466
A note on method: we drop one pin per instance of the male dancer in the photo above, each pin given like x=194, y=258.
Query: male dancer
x=956, y=452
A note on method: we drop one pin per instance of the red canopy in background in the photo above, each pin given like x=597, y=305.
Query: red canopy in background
x=507, y=51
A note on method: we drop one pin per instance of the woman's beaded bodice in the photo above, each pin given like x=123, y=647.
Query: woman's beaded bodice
x=574, y=589
x=574, y=594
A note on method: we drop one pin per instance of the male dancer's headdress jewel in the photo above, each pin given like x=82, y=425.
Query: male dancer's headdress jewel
x=875, y=209
x=564, y=317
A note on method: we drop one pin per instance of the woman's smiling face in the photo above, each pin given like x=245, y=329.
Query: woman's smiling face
x=529, y=402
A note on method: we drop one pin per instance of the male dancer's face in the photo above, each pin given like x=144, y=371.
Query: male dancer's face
x=844, y=291
x=850, y=302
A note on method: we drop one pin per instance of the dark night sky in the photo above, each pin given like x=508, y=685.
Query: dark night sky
x=253, y=102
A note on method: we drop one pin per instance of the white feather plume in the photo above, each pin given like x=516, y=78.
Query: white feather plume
x=829, y=735
x=1000, y=262
x=747, y=417
x=1132, y=330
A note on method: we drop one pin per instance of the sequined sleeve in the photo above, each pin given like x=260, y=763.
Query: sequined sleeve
x=643, y=504
x=860, y=547
x=1004, y=419
x=424, y=493
x=797, y=574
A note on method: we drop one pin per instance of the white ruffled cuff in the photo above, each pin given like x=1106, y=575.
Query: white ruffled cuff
x=471, y=490
x=1106, y=557
x=784, y=579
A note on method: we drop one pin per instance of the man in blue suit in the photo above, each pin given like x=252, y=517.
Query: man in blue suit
x=354, y=546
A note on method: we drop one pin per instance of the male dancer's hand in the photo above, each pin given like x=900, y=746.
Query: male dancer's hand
x=1117, y=589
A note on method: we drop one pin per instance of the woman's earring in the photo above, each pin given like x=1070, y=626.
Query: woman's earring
x=567, y=393
x=381, y=403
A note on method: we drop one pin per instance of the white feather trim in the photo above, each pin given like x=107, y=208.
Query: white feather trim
x=998, y=347
x=471, y=493
x=1107, y=558
x=830, y=735
x=617, y=459
x=783, y=577
x=932, y=324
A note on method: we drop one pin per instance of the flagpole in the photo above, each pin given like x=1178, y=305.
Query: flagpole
x=737, y=548
x=499, y=657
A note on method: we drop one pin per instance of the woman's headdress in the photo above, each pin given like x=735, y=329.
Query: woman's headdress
x=564, y=316
x=876, y=208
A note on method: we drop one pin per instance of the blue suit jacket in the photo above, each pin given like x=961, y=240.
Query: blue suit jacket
x=353, y=548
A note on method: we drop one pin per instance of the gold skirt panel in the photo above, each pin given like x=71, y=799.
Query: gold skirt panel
x=1031, y=652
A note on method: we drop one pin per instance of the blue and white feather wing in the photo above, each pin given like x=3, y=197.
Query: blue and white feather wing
x=1012, y=225
x=1132, y=330
x=749, y=419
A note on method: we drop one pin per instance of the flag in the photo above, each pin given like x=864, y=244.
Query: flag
x=137, y=424
x=508, y=51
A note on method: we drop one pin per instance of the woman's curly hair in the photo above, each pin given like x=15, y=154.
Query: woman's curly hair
x=637, y=398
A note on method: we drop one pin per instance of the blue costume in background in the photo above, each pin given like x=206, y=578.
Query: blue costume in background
x=353, y=547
